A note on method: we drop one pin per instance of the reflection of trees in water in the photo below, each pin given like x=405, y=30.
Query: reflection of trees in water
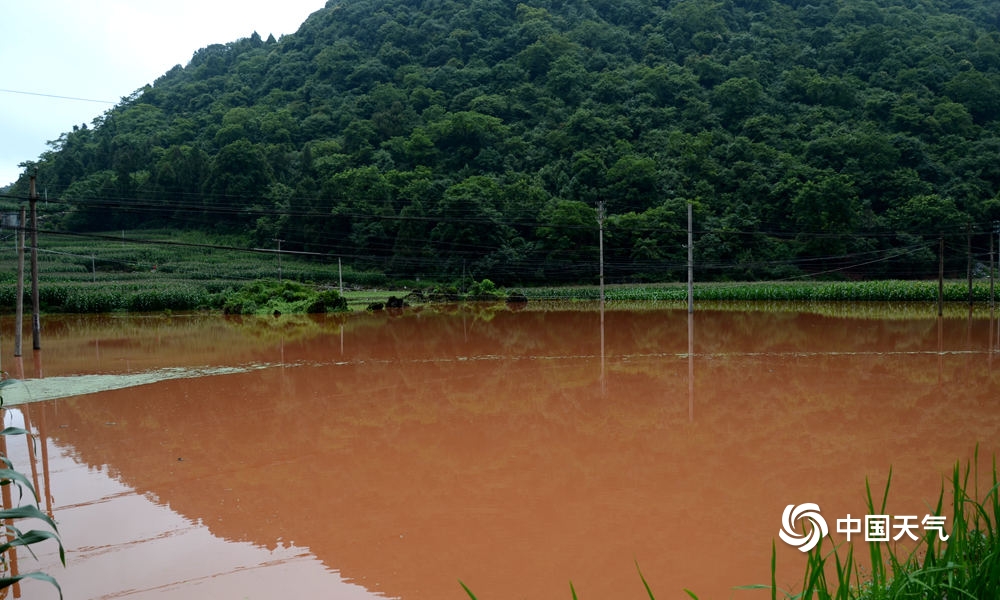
x=442, y=445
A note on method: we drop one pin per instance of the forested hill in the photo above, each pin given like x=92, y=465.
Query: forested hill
x=436, y=136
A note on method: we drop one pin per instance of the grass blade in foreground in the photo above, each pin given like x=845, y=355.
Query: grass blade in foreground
x=648, y=591
x=966, y=564
x=467, y=590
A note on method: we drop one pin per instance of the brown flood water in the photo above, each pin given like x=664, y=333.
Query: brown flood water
x=380, y=456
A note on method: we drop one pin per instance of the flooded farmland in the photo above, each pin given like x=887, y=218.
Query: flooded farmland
x=380, y=455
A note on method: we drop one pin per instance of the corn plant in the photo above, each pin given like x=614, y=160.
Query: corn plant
x=11, y=517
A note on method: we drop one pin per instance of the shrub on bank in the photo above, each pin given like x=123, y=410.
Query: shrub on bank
x=280, y=297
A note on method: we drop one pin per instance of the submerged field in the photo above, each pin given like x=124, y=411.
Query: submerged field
x=469, y=442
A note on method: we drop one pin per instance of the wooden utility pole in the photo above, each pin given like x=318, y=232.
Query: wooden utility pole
x=19, y=303
x=36, y=311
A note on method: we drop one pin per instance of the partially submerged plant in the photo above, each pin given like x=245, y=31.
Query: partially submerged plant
x=11, y=517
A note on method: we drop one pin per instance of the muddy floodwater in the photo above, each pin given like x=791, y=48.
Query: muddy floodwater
x=383, y=455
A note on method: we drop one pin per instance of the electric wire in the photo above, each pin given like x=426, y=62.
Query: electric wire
x=57, y=96
x=402, y=253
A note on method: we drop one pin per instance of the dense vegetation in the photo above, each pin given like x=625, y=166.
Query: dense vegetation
x=436, y=137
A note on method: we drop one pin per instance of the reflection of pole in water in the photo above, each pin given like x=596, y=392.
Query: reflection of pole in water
x=45, y=463
x=604, y=386
x=940, y=332
x=991, y=337
x=968, y=330
x=7, y=503
x=992, y=298
x=690, y=366
x=37, y=355
x=31, y=446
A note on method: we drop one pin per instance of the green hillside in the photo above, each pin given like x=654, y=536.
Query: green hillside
x=432, y=138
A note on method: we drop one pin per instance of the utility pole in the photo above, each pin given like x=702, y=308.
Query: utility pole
x=968, y=250
x=991, y=272
x=941, y=276
x=600, y=228
x=36, y=311
x=600, y=243
x=690, y=257
x=340, y=275
x=19, y=319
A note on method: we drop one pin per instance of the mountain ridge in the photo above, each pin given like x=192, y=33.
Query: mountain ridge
x=438, y=137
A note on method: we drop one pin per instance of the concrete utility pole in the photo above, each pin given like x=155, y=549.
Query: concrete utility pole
x=968, y=240
x=992, y=272
x=19, y=302
x=36, y=310
x=600, y=241
x=941, y=276
x=690, y=257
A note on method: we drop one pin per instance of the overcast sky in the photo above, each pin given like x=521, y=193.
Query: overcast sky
x=105, y=50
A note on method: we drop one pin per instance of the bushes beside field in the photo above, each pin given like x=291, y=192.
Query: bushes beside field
x=281, y=297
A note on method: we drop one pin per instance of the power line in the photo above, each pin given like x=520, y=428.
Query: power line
x=419, y=252
x=207, y=206
x=58, y=97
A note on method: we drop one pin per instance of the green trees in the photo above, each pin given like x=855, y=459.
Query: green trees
x=484, y=133
x=566, y=233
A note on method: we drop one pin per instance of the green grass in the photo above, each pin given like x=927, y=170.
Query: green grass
x=967, y=565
